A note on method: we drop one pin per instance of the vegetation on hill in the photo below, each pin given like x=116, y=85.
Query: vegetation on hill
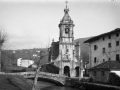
x=9, y=57
x=84, y=49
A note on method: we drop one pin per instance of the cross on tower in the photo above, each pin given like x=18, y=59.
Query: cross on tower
x=66, y=3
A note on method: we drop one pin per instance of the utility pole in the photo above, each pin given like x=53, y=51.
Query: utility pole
x=37, y=71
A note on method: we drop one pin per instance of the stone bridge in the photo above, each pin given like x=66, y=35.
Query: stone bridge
x=56, y=78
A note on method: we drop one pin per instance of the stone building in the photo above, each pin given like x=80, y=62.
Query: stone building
x=63, y=51
x=104, y=54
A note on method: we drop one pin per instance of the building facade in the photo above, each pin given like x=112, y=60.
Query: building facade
x=104, y=47
x=64, y=55
x=24, y=62
x=104, y=55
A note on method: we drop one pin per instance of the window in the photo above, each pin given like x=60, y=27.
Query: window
x=109, y=45
x=103, y=50
x=109, y=36
x=102, y=73
x=95, y=60
x=94, y=73
x=117, y=43
x=103, y=38
x=103, y=60
x=117, y=57
x=95, y=47
x=66, y=30
x=117, y=34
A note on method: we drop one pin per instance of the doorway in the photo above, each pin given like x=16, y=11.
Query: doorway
x=67, y=71
x=77, y=71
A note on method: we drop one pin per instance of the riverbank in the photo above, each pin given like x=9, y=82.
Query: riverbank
x=87, y=84
x=92, y=86
x=14, y=82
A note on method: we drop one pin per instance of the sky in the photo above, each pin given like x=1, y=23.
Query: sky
x=34, y=23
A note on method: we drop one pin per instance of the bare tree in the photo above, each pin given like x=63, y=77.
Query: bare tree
x=3, y=39
x=42, y=54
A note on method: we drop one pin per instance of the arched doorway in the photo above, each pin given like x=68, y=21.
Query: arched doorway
x=77, y=71
x=67, y=71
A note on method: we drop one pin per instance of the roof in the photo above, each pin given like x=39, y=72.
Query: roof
x=101, y=35
x=66, y=18
x=108, y=65
x=50, y=67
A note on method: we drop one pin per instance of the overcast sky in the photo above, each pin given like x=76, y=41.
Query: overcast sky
x=34, y=23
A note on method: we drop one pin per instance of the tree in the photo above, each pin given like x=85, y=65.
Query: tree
x=3, y=39
x=42, y=54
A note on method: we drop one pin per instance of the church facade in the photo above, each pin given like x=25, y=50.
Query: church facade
x=63, y=52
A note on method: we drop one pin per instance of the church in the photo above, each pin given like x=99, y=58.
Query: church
x=62, y=52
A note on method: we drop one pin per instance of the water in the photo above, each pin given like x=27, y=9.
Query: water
x=50, y=86
x=58, y=88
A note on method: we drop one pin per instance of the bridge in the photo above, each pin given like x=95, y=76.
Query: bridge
x=56, y=78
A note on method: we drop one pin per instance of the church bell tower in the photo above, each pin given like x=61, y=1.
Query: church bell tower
x=67, y=61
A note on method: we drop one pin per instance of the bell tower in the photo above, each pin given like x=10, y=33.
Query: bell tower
x=67, y=61
x=66, y=28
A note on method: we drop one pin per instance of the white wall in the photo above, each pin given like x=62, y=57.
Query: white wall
x=110, y=52
x=24, y=62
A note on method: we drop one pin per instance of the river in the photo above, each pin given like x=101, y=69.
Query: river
x=41, y=85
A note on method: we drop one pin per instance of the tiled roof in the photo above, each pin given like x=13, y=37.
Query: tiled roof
x=101, y=35
x=108, y=65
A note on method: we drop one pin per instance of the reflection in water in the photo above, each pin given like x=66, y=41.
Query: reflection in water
x=50, y=86
x=58, y=88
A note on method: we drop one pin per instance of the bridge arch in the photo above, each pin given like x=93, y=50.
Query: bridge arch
x=77, y=71
x=67, y=71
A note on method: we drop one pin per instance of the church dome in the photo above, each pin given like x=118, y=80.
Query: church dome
x=66, y=18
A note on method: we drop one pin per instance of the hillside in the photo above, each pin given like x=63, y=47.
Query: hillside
x=84, y=49
x=32, y=54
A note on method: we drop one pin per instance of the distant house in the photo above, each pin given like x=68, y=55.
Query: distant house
x=103, y=48
x=24, y=62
